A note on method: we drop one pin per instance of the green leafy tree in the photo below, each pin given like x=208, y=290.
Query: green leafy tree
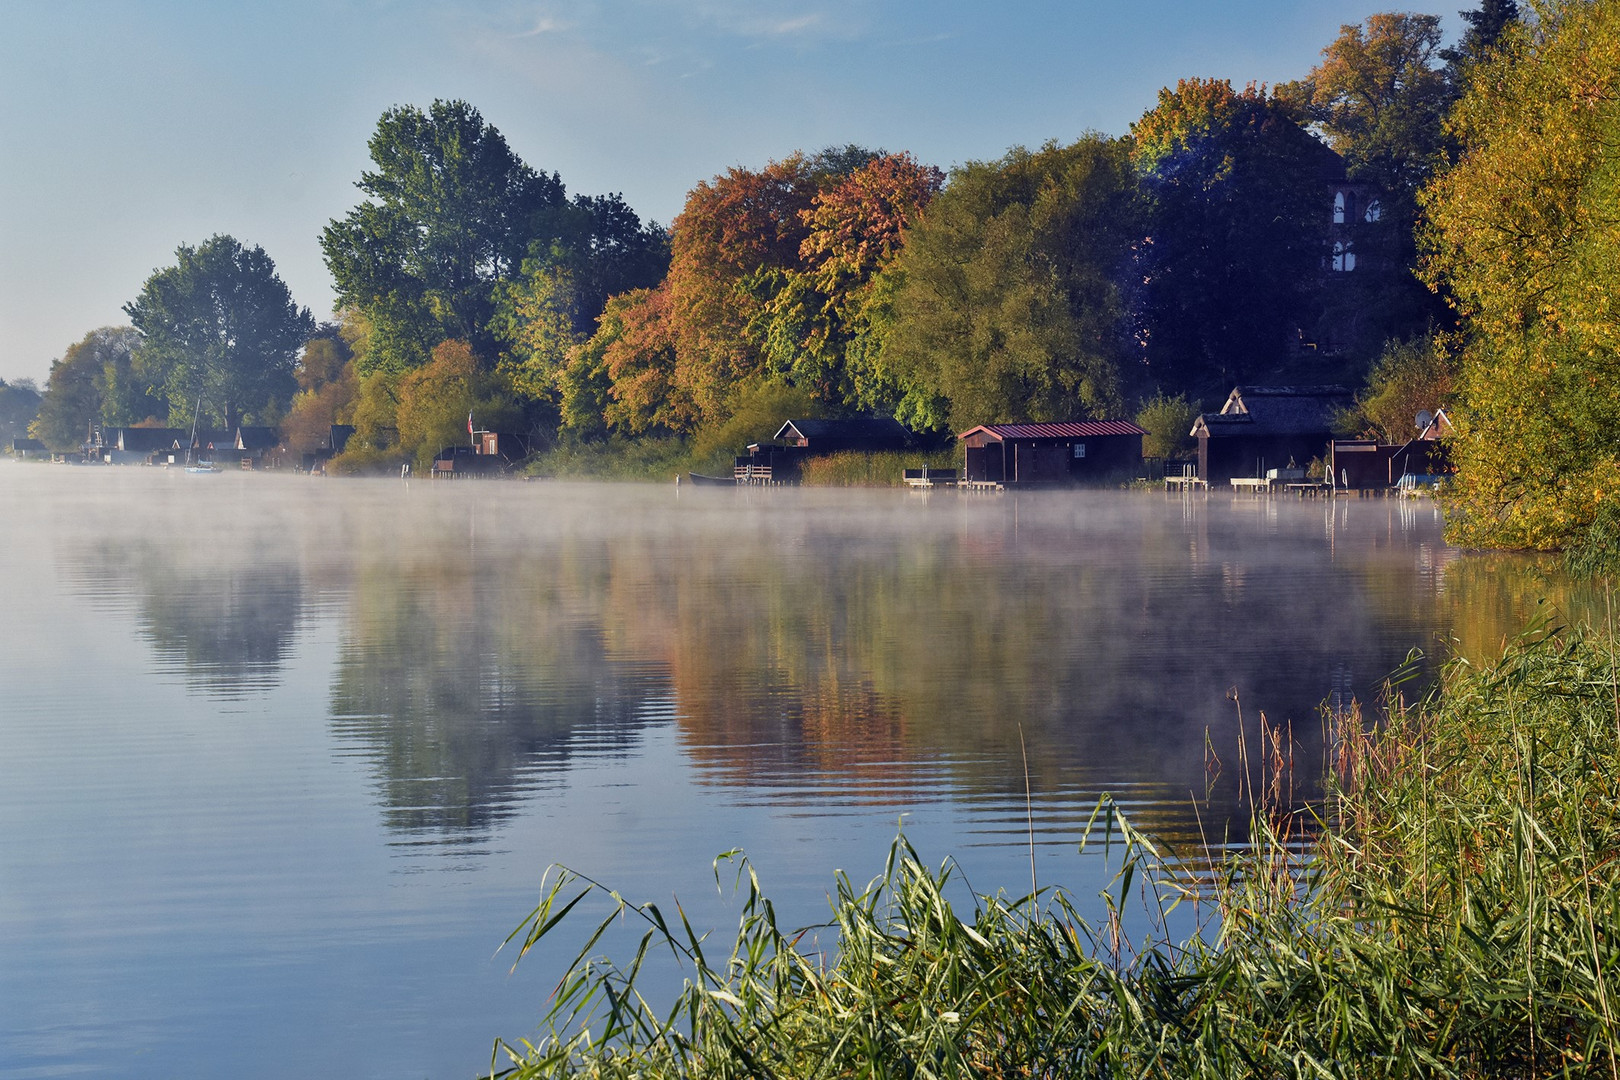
x=605, y=251
x=221, y=328
x=93, y=383
x=1228, y=272
x=453, y=220
x=1524, y=232
x=19, y=405
x=450, y=213
x=542, y=330
x=1005, y=298
x=1411, y=376
x=1168, y=422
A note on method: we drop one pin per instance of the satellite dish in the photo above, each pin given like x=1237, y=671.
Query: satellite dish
x=1424, y=419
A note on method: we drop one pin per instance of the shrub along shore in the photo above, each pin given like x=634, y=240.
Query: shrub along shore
x=1451, y=908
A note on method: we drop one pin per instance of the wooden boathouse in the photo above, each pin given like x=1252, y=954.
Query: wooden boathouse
x=1266, y=427
x=1052, y=454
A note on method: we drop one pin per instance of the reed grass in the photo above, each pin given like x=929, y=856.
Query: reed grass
x=1451, y=908
x=852, y=468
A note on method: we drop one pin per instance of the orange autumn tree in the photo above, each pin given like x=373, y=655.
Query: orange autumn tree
x=733, y=229
x=824, y=323
x=623, y=378
x=773, y=281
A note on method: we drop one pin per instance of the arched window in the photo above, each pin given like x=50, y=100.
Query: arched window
x=1374, y=211
x=1344, y=260
x=1340, y=204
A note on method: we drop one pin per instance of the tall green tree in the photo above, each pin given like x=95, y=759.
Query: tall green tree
x=1524, y=233
x=450, y=213
x=219, y=327
x=92, y=383
x=1486, y=26
x=1006, y=300
x=1227, y=273
x=452, y=220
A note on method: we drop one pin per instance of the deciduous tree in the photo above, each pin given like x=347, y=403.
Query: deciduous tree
x=438, y=400
x=219, y=327
x=1525, y=234
x=1228, y=270
x=1380, y=99
x=820, y=323
x=450, y=213
x=1006, y=304
x=82, y=389
x=629, y=366
x=19, y=405
x=1411, y=376
x=733, y=230
x=328, y=388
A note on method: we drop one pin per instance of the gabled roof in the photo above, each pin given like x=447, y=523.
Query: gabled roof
x=1438, y=428
x=1275, y=410
x=206, y=438
x=861, y=427
x=141, y=440
x=256, y=438
x=1081, y=429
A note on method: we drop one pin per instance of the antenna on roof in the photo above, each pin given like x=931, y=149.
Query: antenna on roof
x=1424, y=419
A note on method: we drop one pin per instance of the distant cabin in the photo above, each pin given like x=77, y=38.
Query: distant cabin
x=132, y=445
x=776, y=460
x=1080, y=452
x=867, y=434
x=29, y=448
x=491, y=453
x=1361, y=464
x=1266, y=427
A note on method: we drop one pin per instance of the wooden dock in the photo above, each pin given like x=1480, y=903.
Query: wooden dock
x=930, y=478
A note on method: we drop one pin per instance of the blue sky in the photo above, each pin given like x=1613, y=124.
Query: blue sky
x=132, y=127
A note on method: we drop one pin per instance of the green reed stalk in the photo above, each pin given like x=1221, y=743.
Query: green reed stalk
x=1452, y=910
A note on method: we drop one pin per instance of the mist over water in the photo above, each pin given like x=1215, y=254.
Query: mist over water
x=282, y=760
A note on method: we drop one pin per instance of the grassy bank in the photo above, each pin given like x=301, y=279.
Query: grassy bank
x=660, y=460
x=1455, y=913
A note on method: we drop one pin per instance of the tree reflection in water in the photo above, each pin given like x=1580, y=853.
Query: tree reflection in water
x=817, y=649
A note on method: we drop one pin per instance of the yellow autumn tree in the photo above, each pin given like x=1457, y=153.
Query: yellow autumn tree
x=437, y=400
x=1524, y=233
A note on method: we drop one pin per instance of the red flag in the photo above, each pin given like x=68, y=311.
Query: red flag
x=469, y=424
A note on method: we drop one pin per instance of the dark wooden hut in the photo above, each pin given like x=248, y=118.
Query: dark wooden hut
x=867, y=434
x=1082, y=452
x=1362, y=463
x=1266, y=427
x=777, y=460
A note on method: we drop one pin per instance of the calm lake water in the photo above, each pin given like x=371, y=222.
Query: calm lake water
x=283, y=760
